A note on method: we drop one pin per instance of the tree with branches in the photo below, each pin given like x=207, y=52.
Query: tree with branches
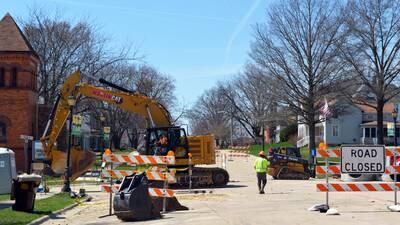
x=372, y=51
x=64, y=47
x=298, y=46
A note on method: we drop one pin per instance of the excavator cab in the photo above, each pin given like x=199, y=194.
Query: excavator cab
x=177, y=140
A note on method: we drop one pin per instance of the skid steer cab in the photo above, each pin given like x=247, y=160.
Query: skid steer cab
x=286, y=163
x=175, y=140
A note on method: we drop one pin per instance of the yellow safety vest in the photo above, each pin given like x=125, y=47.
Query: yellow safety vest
x=261, y=165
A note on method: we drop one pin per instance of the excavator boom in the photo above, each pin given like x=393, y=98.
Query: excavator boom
x=82, y=160
x=159, y=121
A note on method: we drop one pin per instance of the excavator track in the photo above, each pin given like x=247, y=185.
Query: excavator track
x=202, y=177
x=287, y=174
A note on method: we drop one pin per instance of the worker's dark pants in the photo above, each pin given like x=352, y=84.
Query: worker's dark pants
x=261, y=180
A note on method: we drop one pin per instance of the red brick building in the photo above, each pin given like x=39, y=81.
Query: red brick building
x=18, y=88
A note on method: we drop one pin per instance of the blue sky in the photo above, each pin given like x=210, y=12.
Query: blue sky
x=197, y=42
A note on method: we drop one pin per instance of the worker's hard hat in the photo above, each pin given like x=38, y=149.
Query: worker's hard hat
x=261, y=153
x=190, y=154
x=107, y=151
x=170, y=153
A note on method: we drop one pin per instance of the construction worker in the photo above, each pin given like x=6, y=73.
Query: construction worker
x=162, y=146
x=261, y=166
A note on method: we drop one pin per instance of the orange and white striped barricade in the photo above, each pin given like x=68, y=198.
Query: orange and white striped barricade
x=333, y=169
x=394, y=169
x=238, y=154
x=356, y=187
x=151, y=175
x=154, y=192
x=322, y=151
x=140, y=159
x=161, y=174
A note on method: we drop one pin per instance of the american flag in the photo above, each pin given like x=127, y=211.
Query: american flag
x=325, y=109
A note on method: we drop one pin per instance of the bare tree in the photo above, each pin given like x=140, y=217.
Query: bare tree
x=245, y=101
x=63, y=47
x=252, y=100
x=372, y=50
x=298, y=46
x=141, y=78
x=207, y=114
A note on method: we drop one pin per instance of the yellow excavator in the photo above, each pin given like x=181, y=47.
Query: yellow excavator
x=201, y=148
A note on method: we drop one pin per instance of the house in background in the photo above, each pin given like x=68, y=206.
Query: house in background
x=358, y=124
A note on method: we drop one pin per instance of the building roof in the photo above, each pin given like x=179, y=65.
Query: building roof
x=375, y=123
x=11, y=37
x=388, y=108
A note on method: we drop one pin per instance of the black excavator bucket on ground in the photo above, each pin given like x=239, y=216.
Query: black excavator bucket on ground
x=132, y=202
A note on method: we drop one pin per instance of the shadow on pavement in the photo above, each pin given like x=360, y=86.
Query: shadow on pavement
x=366, y=211
x=56, y=217
x=232, y=186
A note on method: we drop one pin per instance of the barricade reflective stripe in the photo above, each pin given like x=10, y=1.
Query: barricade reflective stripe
x=352, y=187
x=139, y=159
x=157, y=192
x=238, y=155
x=391, y=151
x=239, y=151
x=328, y=153
x=108, y=189
x=392, y=169
x=334, y=169
x=151, y=175
x=239, y=147
x=154, y=192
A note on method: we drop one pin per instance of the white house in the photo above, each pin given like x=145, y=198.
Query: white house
x=357, y=125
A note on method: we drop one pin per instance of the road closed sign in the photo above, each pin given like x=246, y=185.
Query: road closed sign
x=363, y=159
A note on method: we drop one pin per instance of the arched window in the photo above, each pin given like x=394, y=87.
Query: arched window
x=3, y=132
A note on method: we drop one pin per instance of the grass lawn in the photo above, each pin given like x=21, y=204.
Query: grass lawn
x=305, y=153
x=254, y=149
x=42, y=207
x=4, y=197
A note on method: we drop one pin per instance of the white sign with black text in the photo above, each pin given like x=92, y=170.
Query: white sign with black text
x=363, y=159
x=38, y=152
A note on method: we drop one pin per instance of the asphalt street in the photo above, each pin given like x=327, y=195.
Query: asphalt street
x=285, y=202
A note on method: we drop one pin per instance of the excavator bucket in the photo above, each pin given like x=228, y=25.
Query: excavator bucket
x=133, y=202
x=172, y=204
x=80, y=161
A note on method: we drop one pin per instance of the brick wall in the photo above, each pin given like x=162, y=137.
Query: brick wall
x=18, y=104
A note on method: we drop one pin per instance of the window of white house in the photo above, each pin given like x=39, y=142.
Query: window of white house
x=370, y=132
x=335, y=131
x=367, y=132
x=373, y=132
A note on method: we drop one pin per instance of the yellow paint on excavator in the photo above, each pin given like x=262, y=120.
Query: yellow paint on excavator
x=81, y=161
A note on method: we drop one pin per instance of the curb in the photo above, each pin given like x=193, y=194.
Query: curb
x=48, y=217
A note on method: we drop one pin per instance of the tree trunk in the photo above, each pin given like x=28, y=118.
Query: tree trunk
x=311, y=140
x=116, y=141
x=379, y=112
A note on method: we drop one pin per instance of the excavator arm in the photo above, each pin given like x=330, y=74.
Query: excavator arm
x=82, y=160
